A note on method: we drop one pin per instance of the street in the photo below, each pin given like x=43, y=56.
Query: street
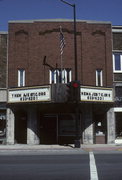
x=60, y=165
x=109, y=166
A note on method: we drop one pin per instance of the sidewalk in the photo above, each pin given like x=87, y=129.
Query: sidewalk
x=102, y=147
x=32, y=147
x=94, y=147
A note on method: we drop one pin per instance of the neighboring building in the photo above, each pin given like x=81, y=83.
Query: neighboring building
x=38, y=109
x=117, y=71
x=3, y=89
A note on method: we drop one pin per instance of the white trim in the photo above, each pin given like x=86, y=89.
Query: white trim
x=116, y=51
x=118, y=109
x=55, y=72
x=117, y=30
x=113, y=63
x=70, y=76
x=3, y=32
x=96, y=78
x=101, y=77
x=50, y=76
x=18, y=78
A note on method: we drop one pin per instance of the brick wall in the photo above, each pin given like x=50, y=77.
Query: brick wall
x=30, y=42
x=3, y=59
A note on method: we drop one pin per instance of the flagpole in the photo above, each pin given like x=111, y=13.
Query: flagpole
x=62, y=45
x=61, y=57
x=61, y=66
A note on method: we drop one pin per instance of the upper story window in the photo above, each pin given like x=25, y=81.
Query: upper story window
x=117, y=62
x=99, y=77
x=21, y=77
x=60, y=76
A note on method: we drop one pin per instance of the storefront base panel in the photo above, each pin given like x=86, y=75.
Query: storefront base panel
x=100, y=140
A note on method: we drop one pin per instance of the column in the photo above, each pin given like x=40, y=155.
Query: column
x=88, y=124
x=32, y=127
x=111, y=126
x=10, y=127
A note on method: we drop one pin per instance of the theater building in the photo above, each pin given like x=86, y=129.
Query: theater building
x=39, y=70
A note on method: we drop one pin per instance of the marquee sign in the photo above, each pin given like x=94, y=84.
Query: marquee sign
x=95, y=94
x=30, y=94
x=43, y=93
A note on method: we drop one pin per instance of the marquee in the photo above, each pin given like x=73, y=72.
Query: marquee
x=29, y=94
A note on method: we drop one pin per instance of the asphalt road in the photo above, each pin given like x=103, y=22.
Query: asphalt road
x=44, y=167
x=109, y=166
x=61, y=165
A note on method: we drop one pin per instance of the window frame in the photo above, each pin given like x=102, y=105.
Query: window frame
x=66, y=72
x=21, y=82
x=100, y=71
x=114, y=70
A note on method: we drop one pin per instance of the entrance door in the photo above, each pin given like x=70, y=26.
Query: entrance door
x=21, y=127
x=48, y=129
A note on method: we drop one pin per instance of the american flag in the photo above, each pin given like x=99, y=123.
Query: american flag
x=62, y=41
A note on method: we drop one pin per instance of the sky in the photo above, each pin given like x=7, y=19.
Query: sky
x=98, y=10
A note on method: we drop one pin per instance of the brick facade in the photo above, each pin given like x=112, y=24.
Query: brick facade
x=3, y=59
x=30, y=42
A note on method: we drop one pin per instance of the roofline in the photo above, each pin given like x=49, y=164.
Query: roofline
x=3, y=32
x=59, y=20
x=117, y=29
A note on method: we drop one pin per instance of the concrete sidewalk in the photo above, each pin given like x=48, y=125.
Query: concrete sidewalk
x=94, y=147
x=102, y=147
x=32, y=147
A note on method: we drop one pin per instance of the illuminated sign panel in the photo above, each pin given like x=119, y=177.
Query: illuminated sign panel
x=43, y=93
x=96, y=94
x=29, y=94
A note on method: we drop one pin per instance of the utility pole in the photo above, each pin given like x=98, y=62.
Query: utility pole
x=77, y=141
x=75, y=38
